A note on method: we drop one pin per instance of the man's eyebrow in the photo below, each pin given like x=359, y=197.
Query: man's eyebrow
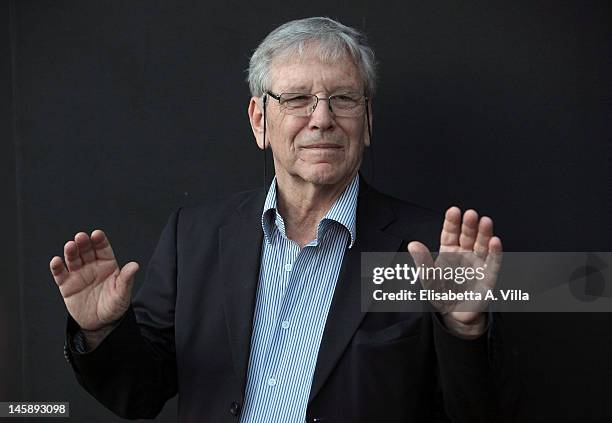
x=306, y=90
x=346, y=88
x=295, y=89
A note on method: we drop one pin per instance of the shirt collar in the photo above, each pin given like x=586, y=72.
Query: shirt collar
x=343, y=211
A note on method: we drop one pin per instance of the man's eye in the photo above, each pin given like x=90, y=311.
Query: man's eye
x=344, y=101
x=297, y=100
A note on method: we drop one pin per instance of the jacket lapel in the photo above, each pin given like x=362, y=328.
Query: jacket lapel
x=345, y=315
x=240, y=249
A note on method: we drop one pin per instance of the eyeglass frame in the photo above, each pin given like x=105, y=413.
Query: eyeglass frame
x=277, y=97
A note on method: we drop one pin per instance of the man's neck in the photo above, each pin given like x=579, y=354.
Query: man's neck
x=302, y=205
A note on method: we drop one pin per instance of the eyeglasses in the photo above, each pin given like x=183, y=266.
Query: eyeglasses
x=299, y=104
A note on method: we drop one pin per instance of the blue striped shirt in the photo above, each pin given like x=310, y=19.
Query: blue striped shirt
x=294, y=294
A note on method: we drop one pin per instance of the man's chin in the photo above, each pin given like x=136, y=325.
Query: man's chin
x=324, y=174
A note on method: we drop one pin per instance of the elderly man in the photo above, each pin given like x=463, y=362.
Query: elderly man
x=250, y=310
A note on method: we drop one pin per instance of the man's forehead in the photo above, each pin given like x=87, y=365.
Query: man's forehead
x=299, y=74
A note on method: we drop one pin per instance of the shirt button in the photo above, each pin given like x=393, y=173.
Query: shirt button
x=271, y=381
x=234, y=409
x=285, y=324
x=288, y=267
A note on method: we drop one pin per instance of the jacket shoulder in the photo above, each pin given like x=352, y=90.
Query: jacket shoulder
x=220, y=211
x=412, y=221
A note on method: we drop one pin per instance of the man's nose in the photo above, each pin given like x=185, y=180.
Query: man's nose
x=322, y=117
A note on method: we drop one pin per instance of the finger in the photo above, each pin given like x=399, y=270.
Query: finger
x=125, y=280
x=101, y=245
x=495, y=245
x=85, y=247
x=72, y=257
x=58, y=270
x=494, y=258
x=420, y=254
x=451, y=229
x=469, y=230
x=485, y=232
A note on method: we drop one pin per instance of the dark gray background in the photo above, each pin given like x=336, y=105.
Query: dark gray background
x=116, y=112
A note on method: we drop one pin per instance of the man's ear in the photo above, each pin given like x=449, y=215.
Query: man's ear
x=256, y=118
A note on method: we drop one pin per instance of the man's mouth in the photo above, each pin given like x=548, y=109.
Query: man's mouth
x=324, y=145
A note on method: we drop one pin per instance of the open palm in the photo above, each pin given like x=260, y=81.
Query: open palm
x=96, y=292
x=467, y=243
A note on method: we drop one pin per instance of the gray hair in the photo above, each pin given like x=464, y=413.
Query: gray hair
x=331, y=41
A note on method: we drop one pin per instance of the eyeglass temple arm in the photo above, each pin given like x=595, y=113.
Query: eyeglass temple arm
x=271, y=94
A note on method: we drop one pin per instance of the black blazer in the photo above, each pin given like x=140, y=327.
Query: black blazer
x=189, y=331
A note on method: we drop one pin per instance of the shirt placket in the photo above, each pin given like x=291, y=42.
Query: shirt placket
x=288, y=276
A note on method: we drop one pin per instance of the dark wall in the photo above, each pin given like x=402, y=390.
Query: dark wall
x=126, y=110
x=10, y=314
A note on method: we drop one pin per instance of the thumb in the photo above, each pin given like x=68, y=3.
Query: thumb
x=420, y=254
x=125, y=279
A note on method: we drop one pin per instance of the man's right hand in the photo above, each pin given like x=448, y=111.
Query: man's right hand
x=96, y=292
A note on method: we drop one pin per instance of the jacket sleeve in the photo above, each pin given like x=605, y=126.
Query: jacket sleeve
x=133, y=371
x=478, y=377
